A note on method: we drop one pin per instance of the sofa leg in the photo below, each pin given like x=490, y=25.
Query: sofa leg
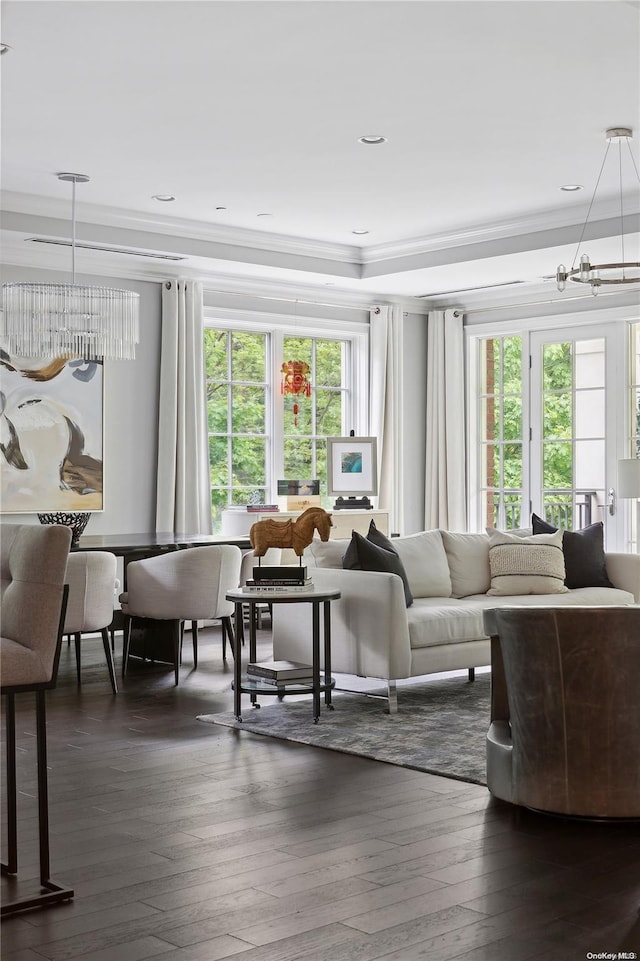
x=392, y=693
x=472, y=673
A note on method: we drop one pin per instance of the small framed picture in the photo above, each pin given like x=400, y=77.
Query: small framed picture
x=352, y=466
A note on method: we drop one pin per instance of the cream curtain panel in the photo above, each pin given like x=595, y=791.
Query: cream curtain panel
x=183, y=502
x=445, y=487
x=385, y=408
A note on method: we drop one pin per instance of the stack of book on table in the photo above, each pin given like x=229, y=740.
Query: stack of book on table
x=284, y=579
x=281, y=672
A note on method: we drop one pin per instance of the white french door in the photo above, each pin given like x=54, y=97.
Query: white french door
x=577, y=426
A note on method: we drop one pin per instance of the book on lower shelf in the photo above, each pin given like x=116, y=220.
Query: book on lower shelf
x=274, y=671
x=277, y=587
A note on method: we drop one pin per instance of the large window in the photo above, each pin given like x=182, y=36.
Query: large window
x=549, y=419
x=258, y=431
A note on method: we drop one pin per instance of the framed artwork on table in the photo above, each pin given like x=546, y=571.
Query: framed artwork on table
x=51, y=435
x=352, y=466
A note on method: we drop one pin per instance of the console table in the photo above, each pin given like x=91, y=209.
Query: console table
x=237, y=523
x=254, y=686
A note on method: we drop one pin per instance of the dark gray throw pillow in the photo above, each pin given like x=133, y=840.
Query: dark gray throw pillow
x=363, y=554
x=584, y=559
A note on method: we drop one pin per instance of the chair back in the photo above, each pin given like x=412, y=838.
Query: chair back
x=91, y=576
x=33, y=561
x=572, y=680
x=187, y=584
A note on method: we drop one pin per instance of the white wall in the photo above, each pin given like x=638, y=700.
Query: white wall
x=131, y=390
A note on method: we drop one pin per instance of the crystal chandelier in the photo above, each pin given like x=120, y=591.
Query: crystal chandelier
x=69, y=320
x=599, y=275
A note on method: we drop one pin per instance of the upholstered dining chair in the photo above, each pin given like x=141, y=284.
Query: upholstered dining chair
x=565, y=709
x=91, y=576
x=183, y=585
x=33, y=563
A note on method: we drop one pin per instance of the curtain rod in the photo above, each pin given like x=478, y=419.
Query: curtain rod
x=287, y=300
x=532, y=303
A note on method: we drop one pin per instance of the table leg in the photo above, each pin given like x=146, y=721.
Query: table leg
x=253, y=623
x=237, y=664
x=316, y=661
x=327, y=654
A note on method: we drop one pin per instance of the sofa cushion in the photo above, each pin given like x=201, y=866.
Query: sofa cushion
x=435, y=621
x=468, y=559
x=583, y=553
x=425, y=561
x=363, y=554
x=526, y=565
x=326, y=553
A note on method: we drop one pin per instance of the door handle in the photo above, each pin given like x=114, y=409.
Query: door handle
x=612, y=501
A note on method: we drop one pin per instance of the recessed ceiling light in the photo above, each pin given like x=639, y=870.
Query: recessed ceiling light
x=372, y=140
x=4, y=48
x=221, y=208
x=359, y=232
x=163, y=198
x=264, y=215
x=570, y=187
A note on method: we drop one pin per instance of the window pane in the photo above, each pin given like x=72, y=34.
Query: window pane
x=490, y=414
x=328, y=363
x=329, y=413
x=215, y=353
x=589, y=369
x=297, y=408
x=321, y=466
x=218, y=504
x=491, y=465
x=298, y=348
x=248, y=357
x=298, y=457
x=493, y=371
x=557, y=366
x=512, y=365
x=557, y=415
x=557, y=461
x=217, y=408
x=512, y=479
x=558, y=509
x=590, y=413
x=218, y=468
x=248, y=460
x=512, y=418
x=248, y=411
x=590, y=464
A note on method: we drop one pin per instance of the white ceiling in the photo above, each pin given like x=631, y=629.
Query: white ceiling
x=257, y=107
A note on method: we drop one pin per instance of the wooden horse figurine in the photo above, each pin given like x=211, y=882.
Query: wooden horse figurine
x=297, y=534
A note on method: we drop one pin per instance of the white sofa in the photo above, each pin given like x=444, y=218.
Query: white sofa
x=375, y=635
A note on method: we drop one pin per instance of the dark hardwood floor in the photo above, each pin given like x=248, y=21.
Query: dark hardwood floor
x=187, y=841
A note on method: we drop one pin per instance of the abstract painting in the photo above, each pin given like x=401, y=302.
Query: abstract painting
x=51, y=435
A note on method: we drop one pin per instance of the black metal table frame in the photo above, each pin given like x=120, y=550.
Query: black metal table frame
x=254, y=688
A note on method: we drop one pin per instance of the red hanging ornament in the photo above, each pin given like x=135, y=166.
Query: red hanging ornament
x=295, y=380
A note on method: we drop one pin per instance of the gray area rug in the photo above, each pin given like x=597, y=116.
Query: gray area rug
x=440, y=727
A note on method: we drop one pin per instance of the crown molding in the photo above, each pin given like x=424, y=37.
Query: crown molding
x=567, y=218
x=119, y=218
x=15, y=252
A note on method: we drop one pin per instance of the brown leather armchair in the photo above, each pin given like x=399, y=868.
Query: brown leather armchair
x=565, y=709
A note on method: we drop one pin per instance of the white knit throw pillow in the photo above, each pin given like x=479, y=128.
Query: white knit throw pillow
x=526, y=565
